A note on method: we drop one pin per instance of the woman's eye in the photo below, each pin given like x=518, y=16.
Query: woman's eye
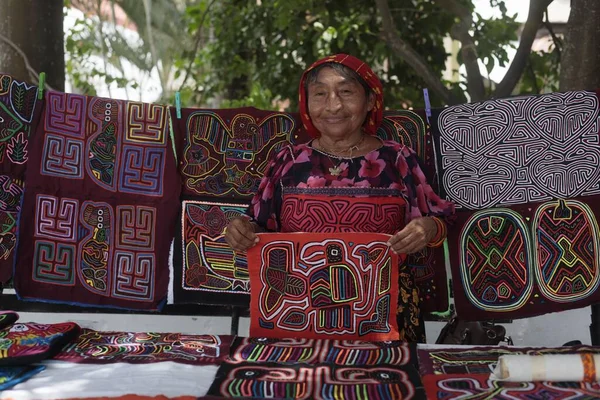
x=346, y=91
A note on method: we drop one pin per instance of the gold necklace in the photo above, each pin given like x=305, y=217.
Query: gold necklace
x=336, y=170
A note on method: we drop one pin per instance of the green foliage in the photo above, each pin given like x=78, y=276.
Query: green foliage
x=542, y=73
x=488, y=33
x=258, y=97
x=252, y=52
x=98, y=50
x=80, y=47
x=272, y=43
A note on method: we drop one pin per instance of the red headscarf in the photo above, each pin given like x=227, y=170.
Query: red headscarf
x=374, y=116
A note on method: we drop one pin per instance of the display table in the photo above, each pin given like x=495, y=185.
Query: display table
x=117, y=364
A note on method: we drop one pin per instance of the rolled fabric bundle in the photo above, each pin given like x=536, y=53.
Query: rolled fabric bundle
x=583, y=367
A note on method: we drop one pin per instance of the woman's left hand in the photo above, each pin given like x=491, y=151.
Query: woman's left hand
x=414, y=237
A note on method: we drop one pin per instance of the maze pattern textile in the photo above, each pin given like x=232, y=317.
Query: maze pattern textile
x=96, y=347
x=29, y=343
x=206, y=269
x=19, y=115
x=524, y=149
x=318, y=382
x=479, y=386
x=528, y=260
x=101, y=204
x=482, y=360
x=429, y=266
x=332, y=210
x=315, y=351
x=226, y=151
x=13, y=375
x=313, y=286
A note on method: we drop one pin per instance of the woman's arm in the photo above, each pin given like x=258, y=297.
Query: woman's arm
x=427, y=213
x=265, y=206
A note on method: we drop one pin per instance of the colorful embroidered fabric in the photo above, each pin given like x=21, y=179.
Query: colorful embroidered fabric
x=408, y=128
x=392, y=166
x=316, y=351
x=206, y=269
x=96, y=347
x=454, y=373
x=101, y=205
x=227, y=151
x=13, y=375
x=222, y=160
x=479, y=386
x=524, y=149
x=527, y=260
x=392, y=171
x=19, y=115
x=329, y=210
x=313, y=286
x=526, y=240
x=482, y=360
x=8, y=318
x=316, y=382
x=30, y=342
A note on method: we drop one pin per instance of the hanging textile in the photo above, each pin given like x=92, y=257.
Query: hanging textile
x=20, y=112
x=101, y=204
x=524, y=173
x=313, y=286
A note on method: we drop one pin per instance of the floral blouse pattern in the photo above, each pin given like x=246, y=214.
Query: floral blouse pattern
x=392, y=168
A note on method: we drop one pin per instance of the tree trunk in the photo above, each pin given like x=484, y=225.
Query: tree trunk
x=580, y=61
x=35, y=27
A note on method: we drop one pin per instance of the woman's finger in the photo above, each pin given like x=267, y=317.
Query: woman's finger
x=414, y=247
x=404, y=244
x=398, y=237
x=240, y=235
x=244, y=227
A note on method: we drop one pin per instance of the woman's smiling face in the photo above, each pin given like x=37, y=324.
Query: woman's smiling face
x=337, y=106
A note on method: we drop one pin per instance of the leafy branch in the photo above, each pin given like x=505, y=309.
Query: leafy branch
x=534, y=20
x=461, y=31
x=406, y=52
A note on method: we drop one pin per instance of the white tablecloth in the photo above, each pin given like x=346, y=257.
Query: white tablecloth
x=62, y=380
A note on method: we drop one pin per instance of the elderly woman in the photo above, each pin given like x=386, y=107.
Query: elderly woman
x=348, y=180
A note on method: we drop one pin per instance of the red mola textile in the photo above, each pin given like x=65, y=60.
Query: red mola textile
x=312, y=285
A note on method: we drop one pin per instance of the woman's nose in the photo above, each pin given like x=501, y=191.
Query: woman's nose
x=333, y=102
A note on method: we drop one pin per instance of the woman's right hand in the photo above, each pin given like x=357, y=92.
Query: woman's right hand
x=240, y=234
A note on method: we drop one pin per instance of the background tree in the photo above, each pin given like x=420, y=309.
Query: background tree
x=252, y=52
x=149, y=40
x=404, y=43
x=473, y=46
x=31, y=40
x=580, y=67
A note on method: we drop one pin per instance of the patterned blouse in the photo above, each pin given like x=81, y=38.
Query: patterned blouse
x=307, y=190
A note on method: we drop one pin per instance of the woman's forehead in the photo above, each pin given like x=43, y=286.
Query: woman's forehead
x=331, y=76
